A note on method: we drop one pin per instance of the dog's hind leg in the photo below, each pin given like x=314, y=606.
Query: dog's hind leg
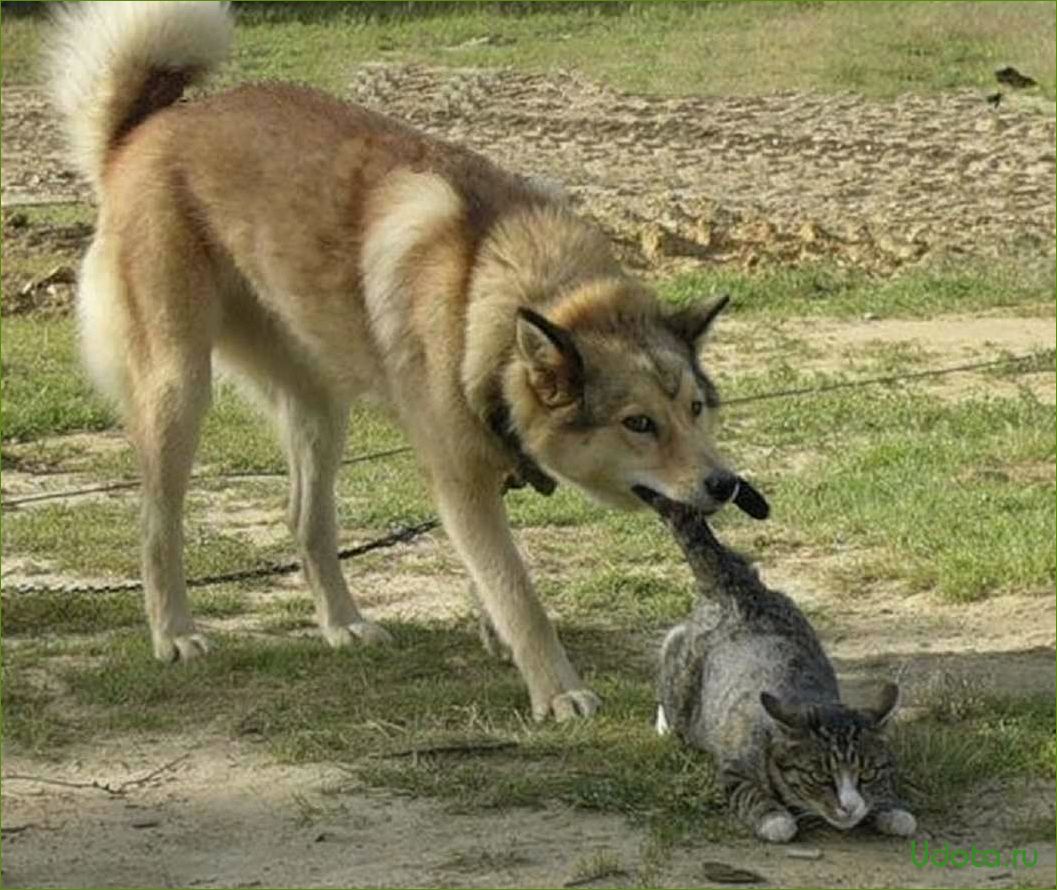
x=313, y=431
x=146, y=332
x=168, y=420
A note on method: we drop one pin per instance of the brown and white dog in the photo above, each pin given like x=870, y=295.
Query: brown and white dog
x=324, y=253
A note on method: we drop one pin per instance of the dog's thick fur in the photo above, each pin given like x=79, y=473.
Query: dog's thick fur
x=324, y=252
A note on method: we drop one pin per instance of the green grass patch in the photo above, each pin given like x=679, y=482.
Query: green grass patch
x=879, y=49
x=824, y=289
x=374, y=709
x=624, y=593
x=101, y=538
x=61, y=614
x=998, y=739
x=20, y=46
x=40, y=220
x=42, y=389
x=954, y=497
x=287, y=615
x=436, y=717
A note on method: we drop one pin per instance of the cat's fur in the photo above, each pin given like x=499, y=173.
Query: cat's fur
x=745, y=678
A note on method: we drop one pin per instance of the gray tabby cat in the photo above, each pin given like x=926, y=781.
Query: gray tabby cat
x=745, y=679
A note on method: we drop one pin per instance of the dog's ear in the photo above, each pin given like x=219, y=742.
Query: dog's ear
x=692, y=323
x=556, y=369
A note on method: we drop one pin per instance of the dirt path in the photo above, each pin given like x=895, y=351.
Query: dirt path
x=685, y=181
x=790, y=176
x=223, y=816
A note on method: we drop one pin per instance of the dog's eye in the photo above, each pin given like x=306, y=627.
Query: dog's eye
x=640, y=423
x=696, y=408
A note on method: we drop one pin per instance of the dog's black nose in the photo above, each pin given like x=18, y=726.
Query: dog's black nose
x=721, y=485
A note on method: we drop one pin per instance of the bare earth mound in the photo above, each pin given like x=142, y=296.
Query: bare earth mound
x=681, y=181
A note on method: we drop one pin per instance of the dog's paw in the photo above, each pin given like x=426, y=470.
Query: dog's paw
x=185, y=647
x=896, y=822
x=363, y=633
x=776, y=828
x=491, y=642
x=570, y=705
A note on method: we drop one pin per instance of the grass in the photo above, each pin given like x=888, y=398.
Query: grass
x=998, y=739
x=824, y=289
x=63, y=614
x=950, y=497
x=103, y=538
x=878, y=49
x=902, y=471
x=39, y=394
x=307, y=704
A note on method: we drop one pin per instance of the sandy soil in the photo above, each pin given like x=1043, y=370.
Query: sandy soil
x=218, y=814
x=677, y=183
x=685, y=181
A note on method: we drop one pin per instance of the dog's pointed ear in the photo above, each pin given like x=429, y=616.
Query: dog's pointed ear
x=692, y=323
x=556, y=369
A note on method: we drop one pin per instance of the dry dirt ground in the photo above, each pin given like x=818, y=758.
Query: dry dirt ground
x=677, y=183
x=223, y=816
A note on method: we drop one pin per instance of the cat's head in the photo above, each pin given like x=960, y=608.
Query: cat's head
x=831, y=760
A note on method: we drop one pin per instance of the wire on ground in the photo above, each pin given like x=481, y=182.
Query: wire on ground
x=404, y=535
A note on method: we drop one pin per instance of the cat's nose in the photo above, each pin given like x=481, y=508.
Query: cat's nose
x=721, y=485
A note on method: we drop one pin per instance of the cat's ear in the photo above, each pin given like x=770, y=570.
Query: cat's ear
x=887, y=702
x=787, y=717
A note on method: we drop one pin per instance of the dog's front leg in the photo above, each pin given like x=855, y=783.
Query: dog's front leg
x=476, y=521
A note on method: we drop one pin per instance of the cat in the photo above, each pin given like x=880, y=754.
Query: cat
x=746, y=679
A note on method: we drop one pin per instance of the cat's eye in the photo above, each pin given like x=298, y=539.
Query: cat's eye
x=696, y=408
x=868, y=775
x=640, y=423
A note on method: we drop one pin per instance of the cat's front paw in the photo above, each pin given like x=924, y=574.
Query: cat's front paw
x=896, y=822
x=777, y=827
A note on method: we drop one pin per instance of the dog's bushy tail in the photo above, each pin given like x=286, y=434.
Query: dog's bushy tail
x=112, y=65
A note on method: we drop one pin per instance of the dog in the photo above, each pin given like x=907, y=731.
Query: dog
x=323, y=253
